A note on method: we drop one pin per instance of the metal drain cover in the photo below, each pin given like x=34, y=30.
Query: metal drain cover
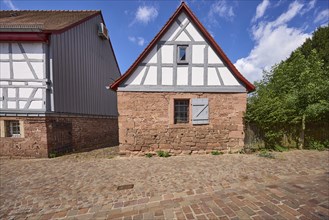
x=127, y=186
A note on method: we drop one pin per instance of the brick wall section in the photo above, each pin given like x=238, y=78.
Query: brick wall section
x=34, y=142
x=44, y=135
x=146, y=123
x=87, y=133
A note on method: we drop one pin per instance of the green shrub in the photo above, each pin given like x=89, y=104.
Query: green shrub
x=216, y=152
x=149, y=155
x=163, y=153
x=266, y=154
x=280, y=148
x=317, y=145
x=52, y=155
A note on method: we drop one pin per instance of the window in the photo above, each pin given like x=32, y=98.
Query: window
x=181, y=111
x=13, y=128
x=182, y=54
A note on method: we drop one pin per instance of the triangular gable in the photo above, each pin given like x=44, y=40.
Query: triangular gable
x=182, y=27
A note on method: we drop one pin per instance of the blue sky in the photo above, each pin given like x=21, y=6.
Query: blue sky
x=254, y=34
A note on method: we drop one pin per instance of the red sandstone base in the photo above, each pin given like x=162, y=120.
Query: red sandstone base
x=42, y=136
x=146, y=124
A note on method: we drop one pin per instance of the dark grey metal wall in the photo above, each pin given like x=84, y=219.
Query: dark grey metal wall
x=83, y=64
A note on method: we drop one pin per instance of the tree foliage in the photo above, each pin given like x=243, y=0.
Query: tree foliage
x=293, y=93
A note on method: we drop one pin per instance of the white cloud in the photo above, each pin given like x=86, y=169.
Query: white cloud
x=10, y=4
x=261, y=8
x=138, y=40
x=323, y=16
x=308, y=7
x=222, y=9
x=274, y=42
x=145, y=14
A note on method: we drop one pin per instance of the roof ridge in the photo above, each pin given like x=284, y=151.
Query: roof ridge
x=184, y=8
x=51, y=10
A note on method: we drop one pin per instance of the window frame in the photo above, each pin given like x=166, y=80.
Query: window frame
x=188, y=116
x=186, y=61
x=13, y=128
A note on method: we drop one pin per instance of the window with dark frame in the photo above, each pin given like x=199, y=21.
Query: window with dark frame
x=181, y=111
x=182, y=54
x=12, y=128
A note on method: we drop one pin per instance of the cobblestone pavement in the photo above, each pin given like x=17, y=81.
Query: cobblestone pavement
x=231, y=186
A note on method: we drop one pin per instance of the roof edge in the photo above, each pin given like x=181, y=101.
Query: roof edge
x=74, y=24
x=249, y=86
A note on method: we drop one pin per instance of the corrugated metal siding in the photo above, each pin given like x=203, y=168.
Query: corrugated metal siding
x=83, y=64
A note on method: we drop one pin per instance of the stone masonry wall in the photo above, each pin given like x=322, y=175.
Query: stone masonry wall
x=81, y=133
x=41, y=136
x=146, y=123
x=33, y=140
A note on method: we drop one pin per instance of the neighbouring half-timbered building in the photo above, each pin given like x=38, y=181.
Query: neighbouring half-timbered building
x=54, y=66
x=182, y=94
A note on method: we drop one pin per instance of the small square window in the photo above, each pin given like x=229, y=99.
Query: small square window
x=182, y=54
x=181, y=111
x=13, y=128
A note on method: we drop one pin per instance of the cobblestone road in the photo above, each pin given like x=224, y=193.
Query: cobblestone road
x=294, y=185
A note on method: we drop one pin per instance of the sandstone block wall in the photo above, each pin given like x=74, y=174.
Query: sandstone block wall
x=146, y=123
x=58, y=134
x=33, y=140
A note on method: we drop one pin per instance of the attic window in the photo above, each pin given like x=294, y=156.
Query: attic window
x=182, y=54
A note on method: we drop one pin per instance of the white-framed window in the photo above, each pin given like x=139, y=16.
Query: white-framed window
x=182, y=54
x=13, y=128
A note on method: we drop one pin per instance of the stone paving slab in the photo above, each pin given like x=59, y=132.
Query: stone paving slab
x=295, y=185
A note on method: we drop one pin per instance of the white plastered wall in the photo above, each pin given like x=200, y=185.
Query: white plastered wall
x=164, y=70
x=22, y=76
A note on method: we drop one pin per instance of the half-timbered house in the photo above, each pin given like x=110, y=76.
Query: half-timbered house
x=182, y=94
x=53, y=69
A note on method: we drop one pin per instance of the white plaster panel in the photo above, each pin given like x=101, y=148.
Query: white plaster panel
x=151, y=78
x=182, y=75
x=11, y=104
x=38, y=69
x=167, y=76
x=4, y=51
x=183, y=18
x=171, y=32
x=167, y=53
x=136, y=77
x=16, y=51
x=151, y=57
x=36, y=105
x=25, y=92
x=4, y=70
x=1, y=104
x=213, y=79
x=194, y=32
x=1, y=93
x=3, y=83
x=198, y=53
x=227, y=76
x=33, y=50
x=197, y=76
x=38, y=94
x=22, y=71
x=183, y=37
x=18, y=83
x=35, y=83
x=22, y=104
x=11, y=92
x=212, y=57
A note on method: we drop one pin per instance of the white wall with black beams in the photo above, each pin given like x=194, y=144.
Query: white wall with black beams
x=202, y=71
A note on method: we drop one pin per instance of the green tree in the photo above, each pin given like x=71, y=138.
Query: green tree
x=292, y=94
